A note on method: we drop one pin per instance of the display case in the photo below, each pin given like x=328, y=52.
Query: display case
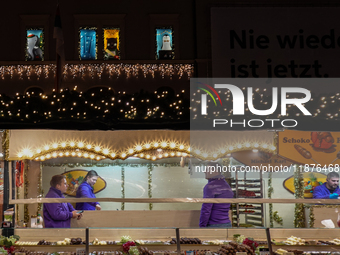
x=162, y=239
x=247, y=214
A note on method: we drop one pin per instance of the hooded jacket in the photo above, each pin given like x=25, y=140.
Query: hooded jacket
x=216, y=187
x=57, y=215
x=86, y=190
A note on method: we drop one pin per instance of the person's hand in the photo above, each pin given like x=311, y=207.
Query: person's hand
x=98, y=207
x=75, y=214
x=334, y=196
x=80, y=215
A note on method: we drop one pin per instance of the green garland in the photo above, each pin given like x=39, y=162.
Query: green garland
x=299, y=213
x=27, y=182
x=98, y=164
x=123, y=188
x=150, y=168
x=311, y=212
x=277, y=218
x=40, y=190
x=270, y=192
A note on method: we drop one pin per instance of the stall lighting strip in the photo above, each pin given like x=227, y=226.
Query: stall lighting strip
x=81, y=149
x=87, y=150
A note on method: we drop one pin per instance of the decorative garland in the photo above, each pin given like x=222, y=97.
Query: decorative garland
x=311, y=212
x=40, y=190
x=273, y=216
x=299, y=215
x=277, y=218
x=26, y=213
x=123, y=188
x=108, y=109
x=5, y=144
x=97, y=71
x=150, y=168
x=98, y=164
x=270, y=192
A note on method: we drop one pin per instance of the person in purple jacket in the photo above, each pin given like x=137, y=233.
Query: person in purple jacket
x=58, y=215
x=215, y=215
x=330, y=189
x=85, y=189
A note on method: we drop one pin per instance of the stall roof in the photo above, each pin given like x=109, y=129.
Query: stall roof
x=45, y=144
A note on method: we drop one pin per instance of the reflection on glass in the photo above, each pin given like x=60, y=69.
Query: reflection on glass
x=164, y=43
x=34, y=44
x=111, y=44
x=88, y=45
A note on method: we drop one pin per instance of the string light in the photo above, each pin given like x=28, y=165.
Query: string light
x=112, y=70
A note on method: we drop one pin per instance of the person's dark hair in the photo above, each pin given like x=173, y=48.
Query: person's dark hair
x=217, y=167
x=57, y=179
x=332, y=175
x=90, y=174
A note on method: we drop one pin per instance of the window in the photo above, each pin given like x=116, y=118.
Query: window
x=111, y=43
x=104, y=37
x=164, y=43
x=34, y=44
x=88, y=43
x=34, y=39
x=162, y=28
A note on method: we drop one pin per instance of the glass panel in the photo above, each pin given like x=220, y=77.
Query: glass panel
x=111, y=43
x=88, y=44
x=34, y=45
x=164, y=43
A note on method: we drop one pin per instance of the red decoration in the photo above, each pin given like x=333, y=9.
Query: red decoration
x=126, y=246
x=19, y=173
x=251, y=243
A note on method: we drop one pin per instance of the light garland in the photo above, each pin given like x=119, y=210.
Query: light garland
x=153, y=150
x=109, y=70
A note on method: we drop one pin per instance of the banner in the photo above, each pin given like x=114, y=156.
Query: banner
x=298, y=42
x=318, y=150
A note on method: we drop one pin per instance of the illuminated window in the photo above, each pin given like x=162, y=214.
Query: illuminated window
x=164, y=43
x=34, y=45
x=88, y=43
x=111, y=43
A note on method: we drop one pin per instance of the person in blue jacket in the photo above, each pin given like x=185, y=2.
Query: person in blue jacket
x=330, y=189
x=215, y=215
x=58, y=215
x=86, y=190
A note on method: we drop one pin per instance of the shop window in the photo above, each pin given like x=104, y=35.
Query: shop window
x=34, y=44
x=111, y=43
x=165, y=48
x=88, y=43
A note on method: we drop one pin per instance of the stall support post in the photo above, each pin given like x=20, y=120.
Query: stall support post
x=87, y=238
x=269, y=242
x=178, y=241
